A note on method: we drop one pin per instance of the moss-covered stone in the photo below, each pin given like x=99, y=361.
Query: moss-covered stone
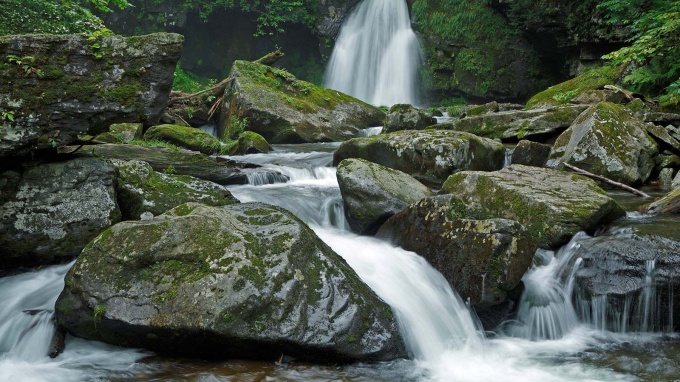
x=608, y=140
x=429, y=155
x=482, y=259
x=187, y=137
x=144, y=193
x=553, y=205
x=371, y=193
x=668, y=204
x=406, y=117
x=283, y=109
x=59, y=87
x=246, y=280
x=565, y=92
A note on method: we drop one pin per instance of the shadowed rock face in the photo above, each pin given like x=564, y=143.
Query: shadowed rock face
x=246, y=280
x=76, y=86
x=430, y=156
x=553, y=205
x=50, y=212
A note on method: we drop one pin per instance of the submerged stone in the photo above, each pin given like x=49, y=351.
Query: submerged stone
x=246, y=280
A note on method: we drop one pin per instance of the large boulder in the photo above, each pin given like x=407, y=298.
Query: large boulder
x=406, y=117
x=628, y=280
x=246, y=280
x=668, y=204
x=608, y=140
x=429, y=156
x=372, y=193
x=283, y=109
x=49, y=212
x=143, y=193
x=553, y=205
x=514, y=125
x=121, y=133
x=175, y=161
x=481, y=259
x=58, y=87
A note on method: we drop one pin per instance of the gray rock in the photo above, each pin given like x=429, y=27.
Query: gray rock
x=407, y=117
x=179, y=162
x=121, y=133
x=531, y=153
x=142, y=191
x=664, y=137
x=246, y=280
x=666, y=179
x=517, y=124
x=618, y=267
x=553, y=205
x=372, y=193
x=607, y=140
x=51, y=211
x=491, y=107
x=595, y=96
x=481, y=259
x=332, y=14
x=76, y=86
x=429, y=155
x=283, y=109
x=676, y=181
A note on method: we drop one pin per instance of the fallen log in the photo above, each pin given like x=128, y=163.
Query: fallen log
x=606, y=180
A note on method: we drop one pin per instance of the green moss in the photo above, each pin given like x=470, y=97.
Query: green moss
x=99, y=313
x=564, y=92
x=183, y=210
x=123, y=94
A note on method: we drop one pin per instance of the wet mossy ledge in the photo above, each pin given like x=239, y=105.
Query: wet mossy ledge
x=273, y=103
x=58, y=87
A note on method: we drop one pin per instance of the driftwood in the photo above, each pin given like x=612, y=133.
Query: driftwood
x=606, y=180
x=270, y=58
x=217, y=89
x=628, y=94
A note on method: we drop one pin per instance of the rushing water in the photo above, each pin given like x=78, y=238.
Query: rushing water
x=377, y=55
x=548, y=342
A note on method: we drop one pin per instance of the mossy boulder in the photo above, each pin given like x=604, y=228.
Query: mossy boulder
x=49, y=212
x=563, y=93
x=663, y=137
x=143, y=193
x=514, y=125
x=173, y=160
x=406, y=117
x=481, y=259
x=59, y=87
x=668, y=204
x=283, y=109
x=248, y=142
x=121, y=133
x=429, y=155
x=246, y=280
x=607, y=140
x=553, y=205
x=531, y=153
x=371, y=193
x=187, y=137
x=475, y=110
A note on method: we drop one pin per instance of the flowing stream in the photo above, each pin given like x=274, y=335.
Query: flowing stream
x=377, y=55
x=549, y=341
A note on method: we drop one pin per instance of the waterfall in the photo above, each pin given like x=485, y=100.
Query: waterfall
x=377, y=55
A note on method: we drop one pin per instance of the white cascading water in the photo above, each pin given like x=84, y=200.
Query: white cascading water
x=377, y=55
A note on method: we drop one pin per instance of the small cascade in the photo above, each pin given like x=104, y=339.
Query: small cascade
x=371, y=131
x=210, y=129
x=26, y=317
x=545, y=310
x=377, y=55
x=259, y=178
x=507, y=161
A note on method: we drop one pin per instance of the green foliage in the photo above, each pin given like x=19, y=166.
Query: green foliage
x=271, y=15
x=45, y=16
x=654, y=49
x=103, y=5
x=188, y=82
x=95, y=39
x=25, y=65
x=235, y=128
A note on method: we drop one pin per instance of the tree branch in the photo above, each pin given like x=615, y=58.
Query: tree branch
x=606, y=180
